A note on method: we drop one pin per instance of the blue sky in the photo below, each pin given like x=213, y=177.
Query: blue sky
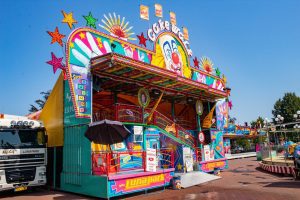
x=255, y=43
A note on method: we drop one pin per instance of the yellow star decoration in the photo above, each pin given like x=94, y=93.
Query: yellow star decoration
x=82, y=35
x=224, y=79
x=165, y=166
x=99, y=42
x=179, y=166
x=71, y=44
x=68, y=18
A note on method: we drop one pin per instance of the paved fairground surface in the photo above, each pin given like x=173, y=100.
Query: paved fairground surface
x=243, y=180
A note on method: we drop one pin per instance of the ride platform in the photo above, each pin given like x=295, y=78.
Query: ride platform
x=278, y=165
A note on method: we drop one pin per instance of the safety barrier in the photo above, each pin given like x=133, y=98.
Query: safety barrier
x=105, y=163
x=135, y=114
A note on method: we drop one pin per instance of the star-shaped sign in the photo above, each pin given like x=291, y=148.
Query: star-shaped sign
x=224, y=79
x=90, y=20
x=218, y=73
x=142, y=39
x=68, y=18
x=56, y=63
x=179, y=166
x=230, y=104
x=56, y=37
x=196, y=62
x=166, y=166
x=82, y=35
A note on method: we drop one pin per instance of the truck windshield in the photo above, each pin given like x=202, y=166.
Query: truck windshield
x=10, y=139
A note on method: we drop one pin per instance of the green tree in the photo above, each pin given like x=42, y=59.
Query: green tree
x=39, y=102
x=243, y=142
x=287, y=106
x=258, y=123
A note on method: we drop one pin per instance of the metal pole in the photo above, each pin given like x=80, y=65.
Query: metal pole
x=270, y=152
x=173, y=109
x=54, y=167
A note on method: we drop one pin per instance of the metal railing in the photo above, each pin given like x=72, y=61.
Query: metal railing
x=105, y=163
x=135, y=114
x=281, y=154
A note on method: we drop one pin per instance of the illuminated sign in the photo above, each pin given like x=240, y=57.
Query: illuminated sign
x=133, y=184
x=167, y=26
x=211, y=166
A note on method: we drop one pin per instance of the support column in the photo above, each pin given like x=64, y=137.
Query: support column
x=173, y=109
x=198, y=129
x=115, y=97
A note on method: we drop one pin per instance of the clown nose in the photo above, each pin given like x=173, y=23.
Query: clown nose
x=175, y=58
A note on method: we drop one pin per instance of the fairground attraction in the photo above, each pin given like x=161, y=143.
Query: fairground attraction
x=133, y=112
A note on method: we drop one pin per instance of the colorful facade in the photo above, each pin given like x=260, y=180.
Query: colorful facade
x=154, y=93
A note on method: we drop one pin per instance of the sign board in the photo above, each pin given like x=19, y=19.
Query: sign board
x=222, y=114
x=201, y=137
x=143, y=97
x=206, y=149
x=188, y=159
x=151, y=161
x=137, y=134
x=123, y=186
x=171, y=52
x=211, y=166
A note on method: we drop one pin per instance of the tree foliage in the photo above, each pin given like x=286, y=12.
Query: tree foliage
x=258, y=123
x=39, y=102
x=287, y=106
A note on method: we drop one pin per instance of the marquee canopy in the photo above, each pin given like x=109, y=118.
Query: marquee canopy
x=126, y=75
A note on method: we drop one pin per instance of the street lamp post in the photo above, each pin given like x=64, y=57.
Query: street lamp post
x=266, y=125
x=297, y=116
x=279, y=120
x=297, y=126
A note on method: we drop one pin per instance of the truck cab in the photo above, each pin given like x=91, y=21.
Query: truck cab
x=23, y=153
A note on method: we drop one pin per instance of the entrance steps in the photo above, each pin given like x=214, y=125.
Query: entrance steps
x=195, y=178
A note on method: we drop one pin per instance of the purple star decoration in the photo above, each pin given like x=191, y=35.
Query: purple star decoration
x=230, y=104
x=56, y=63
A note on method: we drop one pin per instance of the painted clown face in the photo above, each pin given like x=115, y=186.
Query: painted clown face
x=171, y=54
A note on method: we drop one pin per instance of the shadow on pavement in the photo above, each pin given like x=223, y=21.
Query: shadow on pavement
x=42, y=194
x=295, y=184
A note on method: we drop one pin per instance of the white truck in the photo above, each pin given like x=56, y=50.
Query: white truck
x=23, y=154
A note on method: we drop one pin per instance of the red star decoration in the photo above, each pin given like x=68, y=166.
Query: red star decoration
x=56, y=36
x=56, y=63
x=230, y=104
x=142, y=39
x=196, y=62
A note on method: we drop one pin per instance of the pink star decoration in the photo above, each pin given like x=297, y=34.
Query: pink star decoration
x=196, y=62
x=230, y=104
x=142, y=39
x=56, y=63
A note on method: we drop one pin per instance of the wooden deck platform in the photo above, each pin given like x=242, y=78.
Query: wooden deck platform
x=279, y=161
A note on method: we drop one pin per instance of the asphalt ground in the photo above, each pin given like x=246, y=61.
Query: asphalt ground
x=244, y=180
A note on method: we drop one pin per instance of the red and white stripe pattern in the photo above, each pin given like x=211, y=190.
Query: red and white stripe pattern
x=277, y=169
